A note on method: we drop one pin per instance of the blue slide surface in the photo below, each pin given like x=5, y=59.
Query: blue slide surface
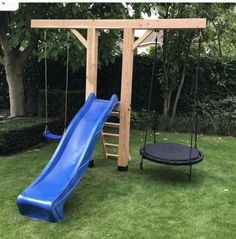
x=44, y=199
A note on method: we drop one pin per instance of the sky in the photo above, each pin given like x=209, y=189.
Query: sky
x=154, y=16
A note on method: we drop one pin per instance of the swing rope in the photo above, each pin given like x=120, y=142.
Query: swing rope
x=45, y=80
x=67, y=79
x=46, y=132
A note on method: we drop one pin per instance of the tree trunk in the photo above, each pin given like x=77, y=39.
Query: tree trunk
x=166, y=104
x=219, y=44
x=14, y=60
x=165, y=107
x=14, y=76
x=218, y=38
x=169, y=101
x=178, y=95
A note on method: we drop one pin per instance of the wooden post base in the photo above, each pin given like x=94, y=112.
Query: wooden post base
x=122, y=169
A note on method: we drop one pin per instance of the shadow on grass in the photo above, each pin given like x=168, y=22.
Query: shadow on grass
x=172, y=175
x=104, y=180
x=92, y=191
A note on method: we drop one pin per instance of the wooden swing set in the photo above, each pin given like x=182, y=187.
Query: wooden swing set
x=129, y=45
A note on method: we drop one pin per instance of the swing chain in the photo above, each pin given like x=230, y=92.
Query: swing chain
x=150, y=98
x=194, y=131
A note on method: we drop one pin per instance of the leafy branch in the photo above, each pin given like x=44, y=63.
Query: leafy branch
x=4, y=19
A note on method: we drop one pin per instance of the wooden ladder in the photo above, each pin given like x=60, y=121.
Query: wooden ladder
x=109, y=137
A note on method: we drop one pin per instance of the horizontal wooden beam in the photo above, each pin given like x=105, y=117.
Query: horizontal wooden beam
x=80, y=37
x=178, y=23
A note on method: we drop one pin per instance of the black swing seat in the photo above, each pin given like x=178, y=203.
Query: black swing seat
x=48, y=135
x=171, y=154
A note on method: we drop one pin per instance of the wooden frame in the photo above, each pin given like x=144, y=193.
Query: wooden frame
x=91, y=43
x=92, y=61
x=178, y=23
x=80, y=37
x=125, y=98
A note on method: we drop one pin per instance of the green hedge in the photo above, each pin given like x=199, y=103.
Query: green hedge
x=56, y=103
x=20, y=133
x=217, y=86
x=214, y=125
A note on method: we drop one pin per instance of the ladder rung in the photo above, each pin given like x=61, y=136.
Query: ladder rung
x=112, y=155
x=117, y=107
x=111, y=145
x=112, y=125
x=110, y=134
x=115, y=113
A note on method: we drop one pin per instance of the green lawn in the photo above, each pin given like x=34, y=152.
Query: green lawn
x=158, y=202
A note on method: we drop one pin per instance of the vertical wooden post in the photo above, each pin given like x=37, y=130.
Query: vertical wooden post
x=92, y=61
x=125, y=98
x=91, y=67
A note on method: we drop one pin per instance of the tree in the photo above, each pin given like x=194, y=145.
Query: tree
x=175, y=55
x=13, y=58
x=18, y=41
x=220, y=33
x=179, y=46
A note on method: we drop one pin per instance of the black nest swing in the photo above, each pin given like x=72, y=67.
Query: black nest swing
x=173, y=153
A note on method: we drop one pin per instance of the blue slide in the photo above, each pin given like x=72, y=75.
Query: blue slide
x=44, y=199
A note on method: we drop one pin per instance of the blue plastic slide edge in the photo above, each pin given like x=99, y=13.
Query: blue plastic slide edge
x=53, y=211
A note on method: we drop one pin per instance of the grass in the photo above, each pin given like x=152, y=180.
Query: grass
x=158, y=202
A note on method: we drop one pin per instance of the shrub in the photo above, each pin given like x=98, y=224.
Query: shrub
x=220, y=115
x=138, y=119
x=214, y=124
x=56, y=102
x=20, y=133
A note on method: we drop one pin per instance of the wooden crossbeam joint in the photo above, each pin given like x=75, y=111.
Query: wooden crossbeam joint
x=142, y=38
x=80, y=37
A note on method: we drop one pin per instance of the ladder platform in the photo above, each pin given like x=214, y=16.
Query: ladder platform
x=111, y=145
x=110, y=134
x=112, y=125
